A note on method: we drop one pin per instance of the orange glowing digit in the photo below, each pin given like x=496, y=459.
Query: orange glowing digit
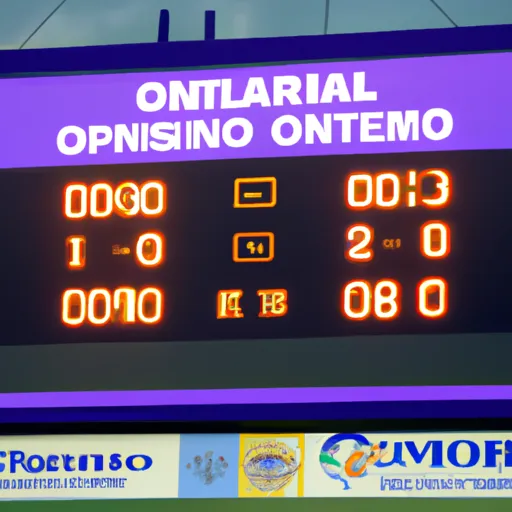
x=383, y=200
x=228, y=304
x=96, y=297
x=435, y=240
x=124, y=303
x=428, y=287
x=411, y=185
x=150, y=306
x=101, y=199
x=127, y=199
x=75, y=201
x=359, y=191
x=74, y=300
x=150, y=249
x=386, y=302
x=99, y=306
x=76, y=252
x=361, y=250
x=360, y=291
x=443, y=186
x=363, y=191
x=153, y=202
x=359, y=301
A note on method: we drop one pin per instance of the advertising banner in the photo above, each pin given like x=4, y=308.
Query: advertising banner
x=85, y=467
x=437, y=465
x=433, y=465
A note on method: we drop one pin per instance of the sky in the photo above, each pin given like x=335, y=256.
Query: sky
x=99, y=22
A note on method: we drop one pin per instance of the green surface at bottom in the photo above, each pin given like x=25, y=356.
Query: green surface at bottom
x=266, y=505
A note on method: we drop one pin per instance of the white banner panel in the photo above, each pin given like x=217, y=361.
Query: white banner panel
x=410, y=465
x=92, y=466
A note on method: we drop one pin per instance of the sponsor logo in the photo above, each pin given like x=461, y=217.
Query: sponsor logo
x=347, y=456
x=17, y=461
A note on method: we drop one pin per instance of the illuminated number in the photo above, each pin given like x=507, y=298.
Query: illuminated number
x=75, y=201
x=102, y=204
x=383, y=182
x=435, y=240
x=364, y=191
x=149, y=306
x=359, y=191
x=443, y=186
x=76, y=251
x=360, y=291
x=411, y=185
x=428, y=289
x=125, y=300
x=128, y=199
x=383, y=190
x=150, y=249
x=362, y=235
x=386, y=301
x=74, y=307
x=152, y=196
x=99, y=306
x=359, y=300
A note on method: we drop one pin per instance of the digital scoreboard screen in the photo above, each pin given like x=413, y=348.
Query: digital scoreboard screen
x=198, y=229
x=326, y=246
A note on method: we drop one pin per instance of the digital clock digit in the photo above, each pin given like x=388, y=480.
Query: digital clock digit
x=102, y=199
x=100, y=306
x=388, y=190
x=361, y=299
x=125, y=304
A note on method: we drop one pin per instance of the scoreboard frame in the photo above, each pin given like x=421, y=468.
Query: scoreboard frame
x=243, y=52
x=372, y=402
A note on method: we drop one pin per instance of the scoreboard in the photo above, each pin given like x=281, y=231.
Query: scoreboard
x=340, y=224
x=325, y=246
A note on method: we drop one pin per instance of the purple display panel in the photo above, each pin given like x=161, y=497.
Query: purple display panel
x=390, y=106
x=253, y=396
x=429, y=104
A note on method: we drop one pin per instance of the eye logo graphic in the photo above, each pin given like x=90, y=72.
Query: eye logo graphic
x=270, y=466
x=345, y=456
